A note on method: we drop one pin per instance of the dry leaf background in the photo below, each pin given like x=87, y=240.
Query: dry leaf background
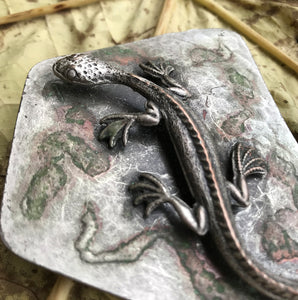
x=109, y=23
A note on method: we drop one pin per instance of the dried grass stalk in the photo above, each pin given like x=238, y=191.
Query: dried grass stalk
x=44, y=10
x=249, y=33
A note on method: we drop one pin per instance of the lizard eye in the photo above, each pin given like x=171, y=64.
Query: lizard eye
x=71, y=74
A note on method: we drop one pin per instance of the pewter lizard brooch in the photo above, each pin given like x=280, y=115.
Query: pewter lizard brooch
x=197, y=156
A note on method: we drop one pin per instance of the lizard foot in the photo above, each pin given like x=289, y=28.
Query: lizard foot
x=246, y=162
x=157, y=70
x=163, y=71
x=116, y=125
x=152, y=189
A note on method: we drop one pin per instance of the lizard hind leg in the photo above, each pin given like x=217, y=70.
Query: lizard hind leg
x=245, y=162
x=151, y=190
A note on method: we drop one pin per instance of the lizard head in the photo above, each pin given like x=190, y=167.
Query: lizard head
x=83, y=69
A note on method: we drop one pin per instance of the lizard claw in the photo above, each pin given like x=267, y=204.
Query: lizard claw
x=157, y=70
x=163, y=71
x=150, y=189
x=115, y=124
x=245, y=162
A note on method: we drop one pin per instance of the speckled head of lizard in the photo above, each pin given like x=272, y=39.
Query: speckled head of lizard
x=83, y=69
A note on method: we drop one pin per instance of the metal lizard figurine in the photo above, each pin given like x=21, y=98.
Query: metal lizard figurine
x=197, y=156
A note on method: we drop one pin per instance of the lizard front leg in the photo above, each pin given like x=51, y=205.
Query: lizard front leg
x=117, y=123
x=163, y=72
x=150, y=189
